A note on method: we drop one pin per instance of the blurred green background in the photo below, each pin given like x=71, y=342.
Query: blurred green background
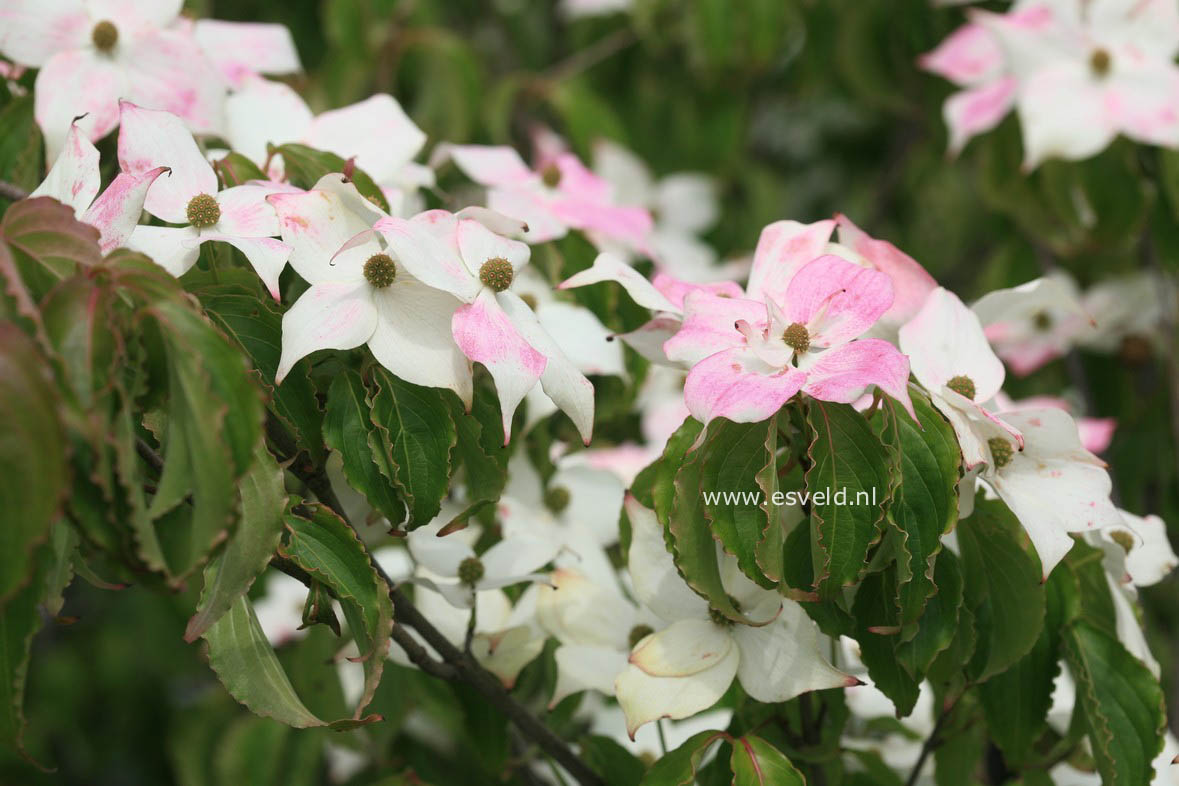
x=799, y=109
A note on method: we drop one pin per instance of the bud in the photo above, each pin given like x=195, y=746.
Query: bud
x=1001, y=451
x=380, y=271
x=470, y=571
x=203, y=211
x=797, y=337
x=496, y=274
x=962, y=385
x=105, y=35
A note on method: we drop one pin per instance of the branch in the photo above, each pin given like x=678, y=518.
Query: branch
x=456, y=663
x=417, y=653
x=931, y=742
x=12, y=192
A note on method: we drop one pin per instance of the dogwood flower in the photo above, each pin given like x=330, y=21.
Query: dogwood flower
x=92, y=53
x=1130, y=312
x=1034, y=323
x=749, y=356
x=74, y=180
x=362, y=294
x=493, y=326
x=952, y=360
x=1053, y=485
x=376, y=132
x=239, y=216
x=683, y=206
x=1088, y=71
x=241, y=50
x=1095, y=433
x=453, y=569
x=688, y=665
x=562, y=195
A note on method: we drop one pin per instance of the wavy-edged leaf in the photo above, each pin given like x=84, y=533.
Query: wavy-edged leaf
x=32, y=452
x=846, y=456
x=416, y=424
x=48, y=242
x=925, y=505
x=735, y=456
x=329, y=550
x=1122, y=703
x=248, y=552
x=877, y=632
x=19, y=622
x=1002, y=587
x=934, y=632
x=348, y=430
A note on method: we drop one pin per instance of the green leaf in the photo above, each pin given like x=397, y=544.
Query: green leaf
x=734, y=456
x=1003, y=587
x=757, y=763
x=925, y=506
x=1016, y=701
x=234, y=169
x=255, y=323
x=304, y=166
x=934, y=632
x=678, y=767
x=348, y=430
x=616, y=765
x=248, y=668
x=20, y=143
x=248, y=552
x=32, y=452
x=690, y=537
x=479, y=448
x=329, y=550
x=1122, y=703
x=846, y=458
x=877, y=631
x=48, y=242
x=19, y=622
x=655, y=485
x=416, y=424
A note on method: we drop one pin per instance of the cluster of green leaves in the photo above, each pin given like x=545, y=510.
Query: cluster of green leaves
x=980, y=623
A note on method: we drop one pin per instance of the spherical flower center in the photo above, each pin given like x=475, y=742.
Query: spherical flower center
x=1042, y=321
x=1001, y=451
x=105, y=35
x=380, y=271
x=1100, y=62
x=551, y=175
x=203, y=211
x=962, y=385
x=638, y=633
x=797, y=337
x=470, y=571
x=556, y=498
x=496, y=274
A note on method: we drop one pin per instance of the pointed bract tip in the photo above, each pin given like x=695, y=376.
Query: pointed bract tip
x=853, y=682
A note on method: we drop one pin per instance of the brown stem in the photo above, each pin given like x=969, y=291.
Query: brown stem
x=459, y=665
x=12, y=192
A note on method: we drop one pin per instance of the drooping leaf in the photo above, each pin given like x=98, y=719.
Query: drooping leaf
x=19, y=622
x=757, y=763
x=934, y=631
x=679, y=767
x=846, y=458
x=47, y=242
x=347, y=429
x=616, y=765
x=416, y=425
x=248, y=552
x=328, y=549
x=1002, y=587
x=1122, y=703
x=926, y=502
x=32, y=452
x=877, y=631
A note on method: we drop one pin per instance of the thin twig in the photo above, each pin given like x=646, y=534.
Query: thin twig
x=930, y=744
x=417, y=653
x=463, y=665
x=584, y=59
x=12, y=192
